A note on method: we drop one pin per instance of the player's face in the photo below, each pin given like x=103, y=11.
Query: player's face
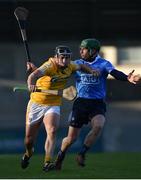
x=63, y=60
x=84, y=53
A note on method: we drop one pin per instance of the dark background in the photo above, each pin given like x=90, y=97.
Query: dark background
x=108, y=20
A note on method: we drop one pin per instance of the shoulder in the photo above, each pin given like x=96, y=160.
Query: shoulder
x=48, y=65
x=107, y=65
x=72, y=63
x=50, y=62
x=74, y=66
x=104, y=61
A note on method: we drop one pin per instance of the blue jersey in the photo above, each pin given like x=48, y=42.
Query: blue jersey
x=89, y=86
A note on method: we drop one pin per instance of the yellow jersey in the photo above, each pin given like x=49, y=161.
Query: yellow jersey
x=54, y=78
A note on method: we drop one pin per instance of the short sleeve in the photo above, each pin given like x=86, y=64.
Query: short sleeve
x=46, y=68
x=109, y=67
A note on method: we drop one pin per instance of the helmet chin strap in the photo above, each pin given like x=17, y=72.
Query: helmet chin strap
x=93, y=53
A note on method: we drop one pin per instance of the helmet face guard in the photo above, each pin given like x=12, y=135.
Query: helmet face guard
x=90, y=44
x=63, y=50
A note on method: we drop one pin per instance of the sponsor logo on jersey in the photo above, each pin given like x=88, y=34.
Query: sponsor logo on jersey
x=89, y=79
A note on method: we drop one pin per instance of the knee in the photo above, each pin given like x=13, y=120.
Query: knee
x=52, y=131
x=97, y=129
x=71, y=139
x=98, y=125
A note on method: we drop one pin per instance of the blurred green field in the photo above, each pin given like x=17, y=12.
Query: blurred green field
x=99, y=166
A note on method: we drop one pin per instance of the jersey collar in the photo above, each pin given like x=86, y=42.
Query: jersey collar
x=95, y=60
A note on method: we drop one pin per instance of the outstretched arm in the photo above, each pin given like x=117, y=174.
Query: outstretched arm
x=123, y=77
x=118, y=75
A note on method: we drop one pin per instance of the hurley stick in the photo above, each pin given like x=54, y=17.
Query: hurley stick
x=69, y=93
x=21, y=15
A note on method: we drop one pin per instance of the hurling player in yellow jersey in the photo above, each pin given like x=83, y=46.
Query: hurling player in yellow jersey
x=43, y=107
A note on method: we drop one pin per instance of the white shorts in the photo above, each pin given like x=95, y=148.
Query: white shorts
x=35, y=112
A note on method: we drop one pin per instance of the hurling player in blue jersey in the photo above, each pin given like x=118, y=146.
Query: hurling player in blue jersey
x=90, y=105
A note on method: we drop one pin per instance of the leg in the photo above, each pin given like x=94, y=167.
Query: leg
x=97, y=124
x=70, y=139
x=66, y=143
x=51, y=122
x=30, y=136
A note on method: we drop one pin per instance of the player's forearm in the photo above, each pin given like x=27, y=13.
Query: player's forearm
x=119, y=75
x=89, y=70
x=86, y=69
x=32, y=78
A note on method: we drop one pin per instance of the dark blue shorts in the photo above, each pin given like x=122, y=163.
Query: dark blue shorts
x=85, y=109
